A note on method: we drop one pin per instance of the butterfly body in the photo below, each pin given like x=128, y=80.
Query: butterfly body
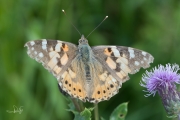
x=88, y=73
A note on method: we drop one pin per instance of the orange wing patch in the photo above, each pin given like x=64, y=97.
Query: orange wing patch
x=65, y=47
x=97, y=95
x=106, y=90
x=74, y=89
x=64, y=59
x=111, y=63
x=108, y=52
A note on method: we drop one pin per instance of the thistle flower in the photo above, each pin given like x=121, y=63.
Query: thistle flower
x=163, y=80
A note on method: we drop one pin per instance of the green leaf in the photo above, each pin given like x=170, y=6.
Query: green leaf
x=84, y=115
x=102, y=118
x=119, y=112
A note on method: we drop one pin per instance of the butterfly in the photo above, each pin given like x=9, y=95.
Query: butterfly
x=92, y=74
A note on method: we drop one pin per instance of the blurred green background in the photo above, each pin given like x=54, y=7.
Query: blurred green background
x=150, y=25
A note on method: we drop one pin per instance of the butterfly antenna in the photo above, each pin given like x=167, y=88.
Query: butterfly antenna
x=98, y=25
x=71, y=22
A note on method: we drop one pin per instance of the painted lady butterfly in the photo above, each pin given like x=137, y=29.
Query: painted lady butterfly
x=88, y=73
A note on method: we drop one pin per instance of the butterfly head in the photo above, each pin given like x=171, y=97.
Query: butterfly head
x=83, y=40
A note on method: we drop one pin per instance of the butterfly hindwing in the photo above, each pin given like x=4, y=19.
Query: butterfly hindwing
x=122, y=60
x=105, y=86
x=70, y=83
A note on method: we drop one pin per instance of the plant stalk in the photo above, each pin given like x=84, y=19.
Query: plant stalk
x=76, y=104
x=96, y=113
x=81, y=105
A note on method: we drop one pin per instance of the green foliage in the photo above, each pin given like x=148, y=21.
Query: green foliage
x=84, y=115
x=102, y=118
x=119, y=112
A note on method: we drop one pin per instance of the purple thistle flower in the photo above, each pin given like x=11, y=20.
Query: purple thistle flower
x=162, y=80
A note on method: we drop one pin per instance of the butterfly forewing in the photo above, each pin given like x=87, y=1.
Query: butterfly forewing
x=120, y=60
x=55, y=55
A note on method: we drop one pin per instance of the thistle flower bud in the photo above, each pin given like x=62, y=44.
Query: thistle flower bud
x=163, y=80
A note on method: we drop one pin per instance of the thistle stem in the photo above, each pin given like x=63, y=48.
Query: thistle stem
x=76, y=104
x=96, y=113
x=81, y=105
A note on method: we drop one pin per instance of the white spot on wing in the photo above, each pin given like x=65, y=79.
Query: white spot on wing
x=116, y=52
x=51, y=54
x=32, y=43
x=44, y=47
x=142, y=62
x=144, y=58
x=60, y=83
x=131, y=51
x=143, y=53
x=58, y=47
x=44, y=42
x=136, y=63
x=32, y=48
x=35, y=52
x=41, y=55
